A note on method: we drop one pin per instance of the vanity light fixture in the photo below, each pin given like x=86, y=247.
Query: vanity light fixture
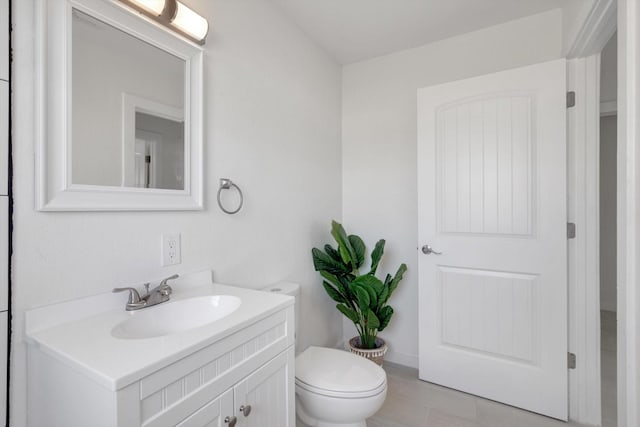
x=175, y=15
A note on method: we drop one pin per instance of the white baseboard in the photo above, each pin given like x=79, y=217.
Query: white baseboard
x=410, y=360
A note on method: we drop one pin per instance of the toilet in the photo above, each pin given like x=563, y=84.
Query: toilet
x=334, y=388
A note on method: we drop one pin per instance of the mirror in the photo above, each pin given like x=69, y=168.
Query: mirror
x=129, y=136
x=134, y=78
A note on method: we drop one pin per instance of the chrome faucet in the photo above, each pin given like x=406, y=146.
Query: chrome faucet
x=157, y=295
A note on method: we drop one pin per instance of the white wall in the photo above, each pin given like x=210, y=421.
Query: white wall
x=272, y=124
x=379, y=142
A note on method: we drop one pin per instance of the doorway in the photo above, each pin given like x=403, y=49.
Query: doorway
x=608, y=231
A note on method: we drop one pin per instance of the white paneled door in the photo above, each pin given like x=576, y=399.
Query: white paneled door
x=492, y=233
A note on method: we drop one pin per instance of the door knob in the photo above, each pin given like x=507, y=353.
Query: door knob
x=246, y=410
x=427, y=250
x=231, y=421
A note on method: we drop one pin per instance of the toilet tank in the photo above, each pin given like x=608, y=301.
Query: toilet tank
x=291, y=289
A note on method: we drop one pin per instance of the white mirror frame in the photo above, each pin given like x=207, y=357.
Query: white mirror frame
x=55, y=190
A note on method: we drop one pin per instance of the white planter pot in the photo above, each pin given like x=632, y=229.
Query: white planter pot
x=375, y=354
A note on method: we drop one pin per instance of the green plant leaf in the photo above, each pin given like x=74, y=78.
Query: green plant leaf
x=344, y=246
x=384, y=314
x=396, y=279
x=373, y=296
x=387, y=280
x=372, y=320
x=384, y=296
x=351, y=314
x=341, y=285
x=334, y=254
x=363, y=299
x=376, y=256
x=322, y=261
x=333, y=293
x=359, y=249
x=369, y=281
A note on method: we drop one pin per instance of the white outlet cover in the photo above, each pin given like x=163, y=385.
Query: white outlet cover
x=171, y=253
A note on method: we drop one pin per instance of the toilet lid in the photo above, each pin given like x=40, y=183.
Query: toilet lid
x=338, y=371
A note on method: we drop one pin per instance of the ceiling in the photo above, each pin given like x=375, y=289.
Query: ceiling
x=353, y=30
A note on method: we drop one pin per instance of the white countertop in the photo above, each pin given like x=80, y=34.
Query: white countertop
x=84, y=342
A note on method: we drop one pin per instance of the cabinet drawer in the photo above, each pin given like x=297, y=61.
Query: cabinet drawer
x=212, y=414
x=185, y=386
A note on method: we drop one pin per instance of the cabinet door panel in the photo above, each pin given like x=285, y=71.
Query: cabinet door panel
x=212, y=414
x=270, y=392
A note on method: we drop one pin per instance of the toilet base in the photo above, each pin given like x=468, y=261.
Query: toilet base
x=312, y=422
x=358, y=424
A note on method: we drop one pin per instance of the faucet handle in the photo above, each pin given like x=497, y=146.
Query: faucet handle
x=134, y=296
x=165, y=280
x=146, y=288
x=165, y=289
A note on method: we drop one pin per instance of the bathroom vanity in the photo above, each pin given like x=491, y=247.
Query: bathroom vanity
x=237, y=370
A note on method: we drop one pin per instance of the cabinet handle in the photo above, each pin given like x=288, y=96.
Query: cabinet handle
x=231, y=421
x=246, y=410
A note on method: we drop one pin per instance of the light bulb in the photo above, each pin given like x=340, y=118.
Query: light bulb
x=190, y=22
x=152, y=6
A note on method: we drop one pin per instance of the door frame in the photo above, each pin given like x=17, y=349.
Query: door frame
x=583, y=77
x=604, y=18
x=628, y=221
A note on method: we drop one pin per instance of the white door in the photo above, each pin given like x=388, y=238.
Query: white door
x=492, y=200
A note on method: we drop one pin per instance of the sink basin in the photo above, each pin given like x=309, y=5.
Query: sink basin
x=175, y=316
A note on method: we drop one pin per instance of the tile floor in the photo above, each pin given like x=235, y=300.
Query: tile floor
x=414, y=403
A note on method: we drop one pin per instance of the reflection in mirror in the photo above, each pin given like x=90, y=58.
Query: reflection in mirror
x=128, y=109
x=159, y=152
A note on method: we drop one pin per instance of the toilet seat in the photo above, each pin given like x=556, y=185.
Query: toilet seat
x=337, y=373
x=341, y=394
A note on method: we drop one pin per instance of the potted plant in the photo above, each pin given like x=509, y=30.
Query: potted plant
x=362, y=298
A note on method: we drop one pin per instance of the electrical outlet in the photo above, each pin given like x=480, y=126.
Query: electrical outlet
x=171, y=249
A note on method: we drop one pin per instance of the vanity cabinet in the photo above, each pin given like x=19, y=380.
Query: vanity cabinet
x=262, y=395
x=253, y=365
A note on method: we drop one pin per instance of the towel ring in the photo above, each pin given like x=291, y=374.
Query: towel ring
x=226, y=184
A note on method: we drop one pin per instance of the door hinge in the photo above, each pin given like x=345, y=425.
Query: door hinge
x=571, y=230
x=571, y=99
x=571, y=360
